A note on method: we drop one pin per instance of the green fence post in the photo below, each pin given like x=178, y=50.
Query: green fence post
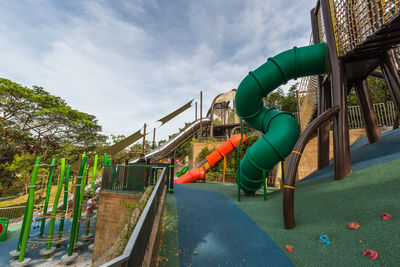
x=46, y=202
x=82, y=194
x=94, y=173
x=28, y=219
x=265, y=186
x=109, y=161
x=64, y=209
x=238, y=159
x=76, y=206
x=55, y=204
x=105, y=159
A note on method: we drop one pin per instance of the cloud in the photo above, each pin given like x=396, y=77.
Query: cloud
x=133, y=62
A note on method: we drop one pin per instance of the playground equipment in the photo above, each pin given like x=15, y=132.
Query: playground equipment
x=360, y=36
x=176, y=141
x=280, y=129
x=182, y=171
x=33, y=227
x=218, y=154
x=3, y=228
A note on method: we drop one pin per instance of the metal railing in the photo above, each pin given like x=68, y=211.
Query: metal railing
x=132, y=177
x=385, y=113
x=137, y=246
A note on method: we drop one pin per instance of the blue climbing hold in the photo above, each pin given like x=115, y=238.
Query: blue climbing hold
x=324, y=239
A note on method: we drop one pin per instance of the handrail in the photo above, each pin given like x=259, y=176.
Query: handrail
x=134, y=251
x=294, y=159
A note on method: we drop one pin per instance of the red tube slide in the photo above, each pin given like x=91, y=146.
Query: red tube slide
x=212, y=159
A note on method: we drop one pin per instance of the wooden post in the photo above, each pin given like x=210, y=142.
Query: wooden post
x=367, y=109
x=201, y=115
x=323, y=103
x=389, y=70
x=144, y=138
x=195, y=112
x=341, y=142
x=212, y=120
x=154, y=138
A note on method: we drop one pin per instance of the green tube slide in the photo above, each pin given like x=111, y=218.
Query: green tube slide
x=280, y=129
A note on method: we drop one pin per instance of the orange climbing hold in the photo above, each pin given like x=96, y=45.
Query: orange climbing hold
x=354, y=225
x=289, y=248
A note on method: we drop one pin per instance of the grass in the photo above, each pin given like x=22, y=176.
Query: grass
x=327, y=207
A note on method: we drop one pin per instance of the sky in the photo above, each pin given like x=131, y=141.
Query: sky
x=133, y=62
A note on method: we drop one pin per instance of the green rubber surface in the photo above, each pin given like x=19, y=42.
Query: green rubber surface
x=326, y=207
x=169, y=249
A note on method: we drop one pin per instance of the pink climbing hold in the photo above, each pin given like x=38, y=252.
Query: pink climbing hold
x=289, y=248
x=373, y=255
x=386, y=216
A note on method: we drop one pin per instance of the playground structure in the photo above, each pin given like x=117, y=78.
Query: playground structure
x=360, y=36
x=212, y=159
x=32, y=233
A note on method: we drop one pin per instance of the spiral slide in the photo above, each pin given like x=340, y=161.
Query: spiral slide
x=280, y=129
x=212, y=159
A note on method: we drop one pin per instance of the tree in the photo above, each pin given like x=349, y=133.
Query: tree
x=35, y=122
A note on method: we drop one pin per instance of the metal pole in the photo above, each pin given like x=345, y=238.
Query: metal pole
x=144, y=138
x=201, y=115
x=64, y=209
x=55, y=204
x=85, y=176
x=94, y=173
x=265, y=186
x=171, y=180
x=223, y=170
x=76, y=206
x=29, y=212
x=46, y=202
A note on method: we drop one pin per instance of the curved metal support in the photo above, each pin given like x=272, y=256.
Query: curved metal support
x=288, y=188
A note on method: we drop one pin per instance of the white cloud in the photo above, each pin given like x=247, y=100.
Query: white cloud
x=133, y=62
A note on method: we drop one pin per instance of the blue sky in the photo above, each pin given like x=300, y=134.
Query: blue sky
x=131, y=62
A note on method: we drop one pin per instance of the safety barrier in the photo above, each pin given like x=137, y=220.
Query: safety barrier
x=138, y=244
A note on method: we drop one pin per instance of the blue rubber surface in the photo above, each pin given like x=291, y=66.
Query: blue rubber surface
x=213, y=231
x=364, y=155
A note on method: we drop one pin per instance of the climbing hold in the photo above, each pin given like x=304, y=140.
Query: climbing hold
x=324, y=239
x=289, y=248
x=354, y=225
x=373, y=255
x=386, y=216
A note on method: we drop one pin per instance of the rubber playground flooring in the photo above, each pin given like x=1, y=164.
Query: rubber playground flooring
x=204, y=220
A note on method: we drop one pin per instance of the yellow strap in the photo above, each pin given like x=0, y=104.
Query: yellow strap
x=297, y=152
x=288, y=186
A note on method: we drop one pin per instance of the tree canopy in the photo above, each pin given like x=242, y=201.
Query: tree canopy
x=35, y=122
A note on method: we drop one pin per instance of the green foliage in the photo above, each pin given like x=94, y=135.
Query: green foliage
x=34, y=122
x=231, y=167
x=279, y=100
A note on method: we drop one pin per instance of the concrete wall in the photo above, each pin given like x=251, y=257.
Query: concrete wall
x=112, y=215
x=309, y=159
